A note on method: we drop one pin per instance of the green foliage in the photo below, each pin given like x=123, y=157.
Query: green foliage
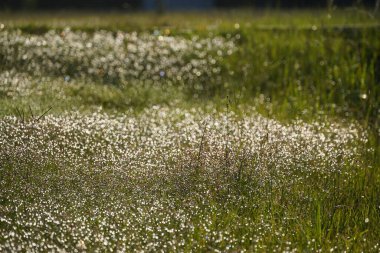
x=306, y=71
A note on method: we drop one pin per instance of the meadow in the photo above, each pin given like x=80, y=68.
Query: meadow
x=226, y=131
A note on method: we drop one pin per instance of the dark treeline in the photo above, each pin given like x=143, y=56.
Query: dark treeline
x=69, y=4
x=138, y=4
x=294, y=3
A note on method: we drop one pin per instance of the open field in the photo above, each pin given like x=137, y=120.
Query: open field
x=214, y=132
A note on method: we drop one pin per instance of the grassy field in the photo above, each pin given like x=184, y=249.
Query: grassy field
x=240, y=131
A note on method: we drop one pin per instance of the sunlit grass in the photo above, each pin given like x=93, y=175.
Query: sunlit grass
x=224, y=131
x=177, y=180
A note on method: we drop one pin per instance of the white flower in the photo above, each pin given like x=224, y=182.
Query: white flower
x=81, y=245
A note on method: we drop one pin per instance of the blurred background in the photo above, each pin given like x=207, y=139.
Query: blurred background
x=167, y=5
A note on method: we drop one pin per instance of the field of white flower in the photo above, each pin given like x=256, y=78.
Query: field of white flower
x=138, y=182
x=114, y=57
x=115, y=141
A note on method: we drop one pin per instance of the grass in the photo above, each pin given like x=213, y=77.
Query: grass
x=201, y=22
x=267, y=140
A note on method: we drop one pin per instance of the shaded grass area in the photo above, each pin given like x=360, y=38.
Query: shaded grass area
x=335, y=71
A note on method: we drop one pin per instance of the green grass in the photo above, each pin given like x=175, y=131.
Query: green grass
x=136, y=163
x=201, y=22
